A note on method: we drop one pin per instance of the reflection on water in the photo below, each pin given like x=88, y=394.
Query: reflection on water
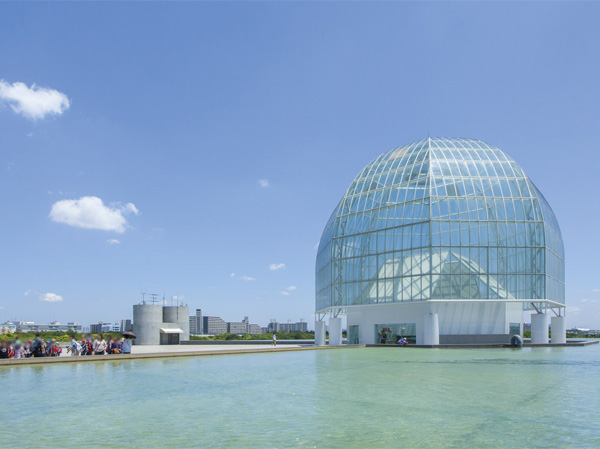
x=360, y=397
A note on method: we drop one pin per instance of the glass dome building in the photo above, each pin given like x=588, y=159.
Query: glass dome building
x=441, y=241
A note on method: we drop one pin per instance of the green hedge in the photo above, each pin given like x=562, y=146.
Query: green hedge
x=266, y=336
x=62, y=337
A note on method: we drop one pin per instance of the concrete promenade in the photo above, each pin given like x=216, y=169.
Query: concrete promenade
x=166, y=351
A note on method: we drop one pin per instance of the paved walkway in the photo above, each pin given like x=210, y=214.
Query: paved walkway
x=151, y=352
x=161, y=349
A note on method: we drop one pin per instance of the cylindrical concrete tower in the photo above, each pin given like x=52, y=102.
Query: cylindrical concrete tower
x=178, y=317
x=184, y=322
x=170, y=314
x=147, y=321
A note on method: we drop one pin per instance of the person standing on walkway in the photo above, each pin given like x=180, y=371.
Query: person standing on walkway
x=100, y=345
x=4, y=350
x=37, y=346
x=274, y=339
x=19, y=353
x=74, y=347
x=126, y=346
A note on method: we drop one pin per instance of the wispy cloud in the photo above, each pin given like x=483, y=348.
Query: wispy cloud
x=51, y=297
x=287, y=291
x=264, y=183
x=596, y=290
x=33, y=102
x=276, y=266
x=46, y=297
x=242, y=278
x=574, y=309
x=91, y=213
x=113, y=242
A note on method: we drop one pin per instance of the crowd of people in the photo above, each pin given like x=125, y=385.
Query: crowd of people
x=51, y=348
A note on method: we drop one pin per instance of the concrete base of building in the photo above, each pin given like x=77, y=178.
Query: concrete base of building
x=449, y=322
x=431, y=329
x=320, y=333
x=539, y=328
x=558, y=329
x=335, y=331
x=483, y=339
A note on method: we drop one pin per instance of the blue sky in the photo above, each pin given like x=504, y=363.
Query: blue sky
x=177, y=111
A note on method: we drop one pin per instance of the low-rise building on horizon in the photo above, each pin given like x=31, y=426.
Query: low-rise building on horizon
x=300, y=326
x=101, y=327
x=31, y=326
x=214, y=325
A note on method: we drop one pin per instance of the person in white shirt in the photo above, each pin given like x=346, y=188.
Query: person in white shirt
x=99, y=345
x=74, y=347
x=274, y=339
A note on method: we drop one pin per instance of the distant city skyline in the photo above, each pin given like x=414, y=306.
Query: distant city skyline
x=203, y=160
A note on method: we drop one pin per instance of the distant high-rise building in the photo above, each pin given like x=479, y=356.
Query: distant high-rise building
x=214, y=325
x=299, y=326
x=254, y=329
x=237, y=328
x=197, y=323
x=126, y=325
x=104, y=327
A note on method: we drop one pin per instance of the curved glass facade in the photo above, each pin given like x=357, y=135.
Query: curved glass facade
x=440, y=219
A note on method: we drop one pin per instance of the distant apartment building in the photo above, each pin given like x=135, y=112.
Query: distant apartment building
x=300, y=326
x=236, y=328
x=101, y=327
x=126, y=325
x=30, y=326
x=243, y=328
x=196, y=323
x=213, y=325
x=254, y=329
x=8, y=327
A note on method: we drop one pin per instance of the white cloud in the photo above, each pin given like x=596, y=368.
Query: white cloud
x=596, y=290
x=264, y=183
x=291, y=288
x=90, y=212
x=33, y=102
x=247, y=278
x=232, y=275
x=574, y=309
x=585, y=300
x=276, y=266
x=113, y=242
x=285, y=293
x=50, y=297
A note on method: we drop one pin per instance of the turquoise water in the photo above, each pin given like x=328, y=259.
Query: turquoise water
x=361, y=397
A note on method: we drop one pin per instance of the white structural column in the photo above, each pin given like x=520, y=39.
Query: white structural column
x=539, y=328
x=431, y=329
x=319, y=332
x=558, y=326
x=335, y=331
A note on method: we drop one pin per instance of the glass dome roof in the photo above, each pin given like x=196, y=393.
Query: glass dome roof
x=441, y=218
